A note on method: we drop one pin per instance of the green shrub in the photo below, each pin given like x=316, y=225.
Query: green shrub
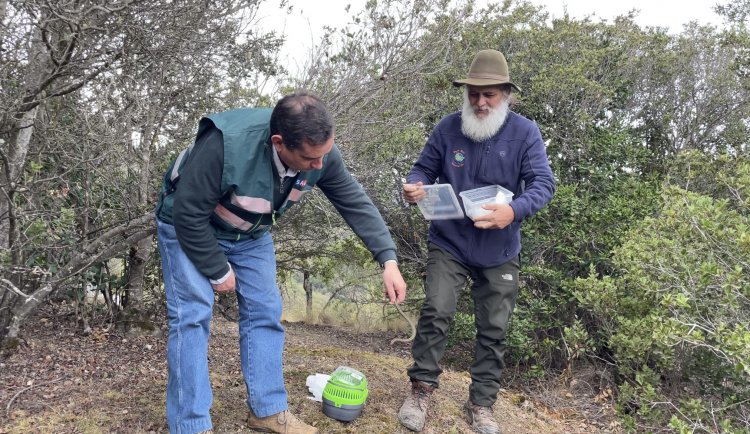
x=577, y=231
x=676, y=312
x=462, y=329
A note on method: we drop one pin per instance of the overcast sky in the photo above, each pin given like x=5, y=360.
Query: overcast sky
x=305, y=24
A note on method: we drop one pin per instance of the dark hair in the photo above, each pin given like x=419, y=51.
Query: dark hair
x=506, y=89
x=301, y=117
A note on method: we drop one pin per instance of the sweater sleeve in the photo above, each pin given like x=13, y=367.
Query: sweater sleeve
x=537, y=175
x=197, y=193
x=351, y=201
x=428, y=166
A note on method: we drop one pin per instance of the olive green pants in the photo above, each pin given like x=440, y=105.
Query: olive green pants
x=494, y=291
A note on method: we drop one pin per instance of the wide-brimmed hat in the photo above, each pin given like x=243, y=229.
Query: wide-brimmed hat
x=488, y=68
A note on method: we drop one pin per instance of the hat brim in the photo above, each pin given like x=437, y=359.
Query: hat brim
x=483, y=82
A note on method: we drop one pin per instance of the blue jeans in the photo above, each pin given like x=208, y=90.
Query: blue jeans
x=190, y=300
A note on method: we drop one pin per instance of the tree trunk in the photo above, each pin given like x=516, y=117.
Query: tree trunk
x=137, y=259
x=21, y=130
x=330, y=300
x=133, y=317
x=18, y=148
x=19, y=306
x=3, y=9
x=7, y=191
x=140, y=252
x=307, y=285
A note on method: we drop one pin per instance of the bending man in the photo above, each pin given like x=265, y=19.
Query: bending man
x=219, y=200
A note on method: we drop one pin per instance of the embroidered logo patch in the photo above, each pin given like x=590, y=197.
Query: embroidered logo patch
x=300, y=183
x=458, y=158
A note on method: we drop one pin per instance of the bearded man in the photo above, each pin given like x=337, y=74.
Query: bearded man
x=484, y=144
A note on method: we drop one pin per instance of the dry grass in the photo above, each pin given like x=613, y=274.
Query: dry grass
x=62, y=382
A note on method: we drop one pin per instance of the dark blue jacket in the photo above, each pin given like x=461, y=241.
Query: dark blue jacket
x=514, y=158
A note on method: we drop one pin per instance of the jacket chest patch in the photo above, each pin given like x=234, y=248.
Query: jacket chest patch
x=458, y=158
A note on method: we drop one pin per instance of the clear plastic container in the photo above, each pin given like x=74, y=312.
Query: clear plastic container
x=440, y=203
x=474, y=199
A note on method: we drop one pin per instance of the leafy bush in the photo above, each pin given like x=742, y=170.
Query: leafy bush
x=577, y=230
x=676, y=310
x=462, y=329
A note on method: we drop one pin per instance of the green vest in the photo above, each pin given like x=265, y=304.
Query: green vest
x=248, y=180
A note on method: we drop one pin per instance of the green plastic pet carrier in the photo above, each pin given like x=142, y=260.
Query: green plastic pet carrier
x=345, y=394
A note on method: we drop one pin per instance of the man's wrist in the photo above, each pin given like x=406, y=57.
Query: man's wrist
x=222, y=279
x=388, y=261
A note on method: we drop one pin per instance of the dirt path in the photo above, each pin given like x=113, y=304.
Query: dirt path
x=61, y=382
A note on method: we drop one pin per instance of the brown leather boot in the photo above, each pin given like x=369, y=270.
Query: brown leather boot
x=481, y=418
x=282, y=423
x=414, y=410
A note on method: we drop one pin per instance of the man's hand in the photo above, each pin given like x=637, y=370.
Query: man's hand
x=228, y=285
x=394, y=286
x=413, y=193
x=501, y=216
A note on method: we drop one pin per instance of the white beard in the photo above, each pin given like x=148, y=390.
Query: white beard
x=478, y=129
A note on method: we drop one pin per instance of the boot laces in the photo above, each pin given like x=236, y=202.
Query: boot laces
x=421, y=397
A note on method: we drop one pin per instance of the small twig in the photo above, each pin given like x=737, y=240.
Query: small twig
x=7, y=407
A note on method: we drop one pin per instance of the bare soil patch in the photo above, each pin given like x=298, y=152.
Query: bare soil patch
x=59, y=381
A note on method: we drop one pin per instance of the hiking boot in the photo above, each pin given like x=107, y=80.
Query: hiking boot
x=282, y=423
x=481, y=418
x=414, y=410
